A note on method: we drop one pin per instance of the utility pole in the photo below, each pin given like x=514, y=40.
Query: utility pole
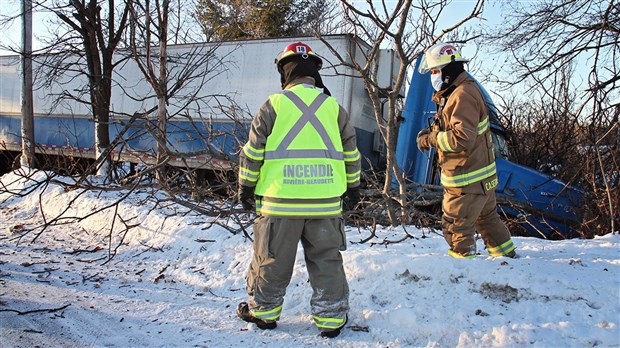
x=28, y=158
x=162, y=90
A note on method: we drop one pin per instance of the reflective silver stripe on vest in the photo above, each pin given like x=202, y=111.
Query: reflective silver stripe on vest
x=308, y=115
x=319, y=209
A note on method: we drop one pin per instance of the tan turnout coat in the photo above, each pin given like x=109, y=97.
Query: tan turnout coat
x=463, y=138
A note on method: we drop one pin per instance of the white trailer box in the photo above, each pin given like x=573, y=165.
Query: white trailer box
x=228, y=86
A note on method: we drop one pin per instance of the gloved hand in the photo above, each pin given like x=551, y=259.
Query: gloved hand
x=246, y=197
x=423, y=139
x=351, y=198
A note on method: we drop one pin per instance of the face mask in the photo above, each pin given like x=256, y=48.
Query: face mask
x=436, y=81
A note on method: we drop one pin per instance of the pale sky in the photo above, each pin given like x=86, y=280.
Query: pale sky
x=12, y=33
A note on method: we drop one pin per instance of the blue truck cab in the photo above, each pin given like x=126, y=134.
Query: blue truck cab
x=537, y=204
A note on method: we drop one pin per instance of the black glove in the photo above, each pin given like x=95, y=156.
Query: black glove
x=246, y=197
x=351, y=198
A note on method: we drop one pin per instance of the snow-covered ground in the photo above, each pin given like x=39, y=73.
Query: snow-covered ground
x=176, y=279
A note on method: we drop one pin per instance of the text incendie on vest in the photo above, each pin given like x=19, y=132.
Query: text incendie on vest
x=308, y=174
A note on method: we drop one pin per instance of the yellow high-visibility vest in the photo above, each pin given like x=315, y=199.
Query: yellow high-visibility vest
x=303, y=155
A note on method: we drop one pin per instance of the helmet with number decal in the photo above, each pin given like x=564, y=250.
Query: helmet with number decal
x=438, y=56
x=297, y=49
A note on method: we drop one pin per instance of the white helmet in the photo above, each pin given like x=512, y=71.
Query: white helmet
x=438, y=56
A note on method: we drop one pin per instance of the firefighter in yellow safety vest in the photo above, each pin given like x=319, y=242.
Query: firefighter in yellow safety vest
x=299, y=162
x=462, y=135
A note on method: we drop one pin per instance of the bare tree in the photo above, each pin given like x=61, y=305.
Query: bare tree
x=184, y=28
x=407, y=28
x=544, y=129
x=177, y=80
x=157, y=79
x=547, y=38
x=93, y=33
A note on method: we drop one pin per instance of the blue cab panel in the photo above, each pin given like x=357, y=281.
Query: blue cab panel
x=559, y=202
x=417, y=111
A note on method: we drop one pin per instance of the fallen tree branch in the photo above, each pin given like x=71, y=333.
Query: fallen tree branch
x=48, y=310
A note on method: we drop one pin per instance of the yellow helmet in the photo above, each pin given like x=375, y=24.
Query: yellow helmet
x=438, y=56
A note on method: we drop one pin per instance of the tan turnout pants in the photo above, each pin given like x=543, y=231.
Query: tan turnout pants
x=466, y=213
x=275, y=247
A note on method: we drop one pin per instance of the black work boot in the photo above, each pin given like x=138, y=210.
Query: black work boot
x=243, y=312
x=335, y=332
x=512, y=254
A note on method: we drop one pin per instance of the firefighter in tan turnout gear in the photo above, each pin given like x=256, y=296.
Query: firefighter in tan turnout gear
x=462, y=136
x=299, y=162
